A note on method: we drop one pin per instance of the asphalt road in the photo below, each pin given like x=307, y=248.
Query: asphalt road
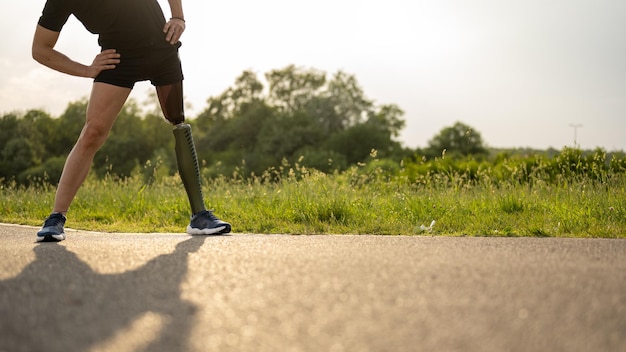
x=173, y=292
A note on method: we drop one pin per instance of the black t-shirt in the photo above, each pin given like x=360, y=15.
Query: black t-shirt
x=120, y=24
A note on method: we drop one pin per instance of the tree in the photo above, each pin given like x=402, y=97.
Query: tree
x=24, y=143
x=247, y=90
x=302, y=114
x=68, y=128
x=377, y=132
x=291, y=88
x=457, y=140
x=8, y=126
x=229, y=127
x=348, y=99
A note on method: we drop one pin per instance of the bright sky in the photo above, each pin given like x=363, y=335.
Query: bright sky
x=521, y=72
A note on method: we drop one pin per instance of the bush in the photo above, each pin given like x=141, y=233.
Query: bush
x=569, y=166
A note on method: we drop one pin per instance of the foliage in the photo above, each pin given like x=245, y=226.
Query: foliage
x=457, y=140
x=374, y=197
x=309, y=154
x=327, y=123
x=567, y=167
x=34, y=145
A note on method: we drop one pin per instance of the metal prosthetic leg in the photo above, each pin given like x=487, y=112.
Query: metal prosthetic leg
x=188, y=166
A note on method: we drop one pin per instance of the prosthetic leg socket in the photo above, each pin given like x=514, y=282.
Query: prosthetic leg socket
x=188, y=166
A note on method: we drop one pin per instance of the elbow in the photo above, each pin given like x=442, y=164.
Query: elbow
x=35, y=56
x=38, y=54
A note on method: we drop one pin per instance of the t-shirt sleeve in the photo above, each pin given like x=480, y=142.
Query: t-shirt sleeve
x=54, y=15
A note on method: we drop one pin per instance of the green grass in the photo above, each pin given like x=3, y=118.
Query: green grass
x=358, y=201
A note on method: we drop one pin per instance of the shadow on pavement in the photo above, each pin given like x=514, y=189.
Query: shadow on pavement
x=58, y=303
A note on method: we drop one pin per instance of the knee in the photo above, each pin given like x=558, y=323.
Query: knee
x=93, y=136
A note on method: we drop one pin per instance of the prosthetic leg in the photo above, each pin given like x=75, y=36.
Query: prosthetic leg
x=188, y=166
x=203, y=222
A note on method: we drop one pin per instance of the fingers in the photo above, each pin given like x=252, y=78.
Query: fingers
x=173, y=29
x=105, y=60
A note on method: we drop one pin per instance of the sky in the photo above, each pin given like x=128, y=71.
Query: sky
x=522, y=73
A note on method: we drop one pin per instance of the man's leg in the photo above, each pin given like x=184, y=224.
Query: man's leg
x=105, y=103
x=203, y=221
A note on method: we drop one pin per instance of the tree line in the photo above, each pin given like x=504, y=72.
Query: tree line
x=303, y=116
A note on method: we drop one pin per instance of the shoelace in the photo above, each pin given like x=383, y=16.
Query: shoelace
x=209, y=215
x=53, y=220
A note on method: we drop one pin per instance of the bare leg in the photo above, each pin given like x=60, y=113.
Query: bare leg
x=105, y=103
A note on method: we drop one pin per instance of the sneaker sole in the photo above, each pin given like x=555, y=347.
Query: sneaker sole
x=213, y=231
x=51, y=238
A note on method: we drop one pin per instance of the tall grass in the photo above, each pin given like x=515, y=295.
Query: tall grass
x=571, y=195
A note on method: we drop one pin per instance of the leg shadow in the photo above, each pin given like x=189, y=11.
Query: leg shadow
x=58, y=303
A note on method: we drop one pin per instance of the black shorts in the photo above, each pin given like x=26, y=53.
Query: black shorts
x=160, y=65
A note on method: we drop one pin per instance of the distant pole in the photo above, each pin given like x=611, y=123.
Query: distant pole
x=576, y=126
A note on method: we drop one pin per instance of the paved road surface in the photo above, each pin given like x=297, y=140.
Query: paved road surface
x=173, y=292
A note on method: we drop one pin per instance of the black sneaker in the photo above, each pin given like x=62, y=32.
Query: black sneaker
x=52, y=230
x=205, y=223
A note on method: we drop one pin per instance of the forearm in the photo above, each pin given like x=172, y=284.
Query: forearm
x=55, y=60
x=176, y=8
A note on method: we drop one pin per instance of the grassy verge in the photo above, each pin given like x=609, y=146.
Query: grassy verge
x=352, y=202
